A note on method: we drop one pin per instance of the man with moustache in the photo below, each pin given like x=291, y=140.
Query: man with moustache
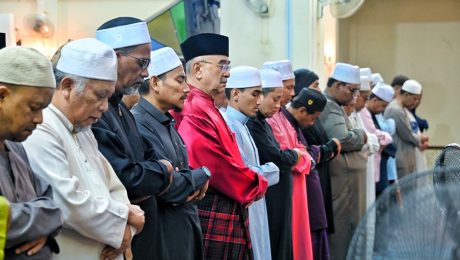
x=180, y=236
x=26, y=88
x=98, y=218
x=234, y=186
x=346, y=168
x=279, y=196
x=404, y=138
x=243, y=91
x=119, y=140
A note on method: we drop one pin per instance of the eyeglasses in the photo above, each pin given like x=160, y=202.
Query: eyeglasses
x=142, y=62
x=223, y=67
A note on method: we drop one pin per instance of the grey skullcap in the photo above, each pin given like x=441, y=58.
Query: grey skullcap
x=25, y=67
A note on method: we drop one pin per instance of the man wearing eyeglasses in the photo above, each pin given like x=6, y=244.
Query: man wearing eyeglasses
x=345, y=167
x=233, y=186
x=118, y=137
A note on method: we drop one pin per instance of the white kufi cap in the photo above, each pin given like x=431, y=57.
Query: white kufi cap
x=244, y=77
x=163, y=60
x=365, y=83
x=383, y=91
x=125, y=35
x=282, y=66
x=88, y=58
x=346, y=73
x=412, y=86
x=376, y=78
x=365, y=72
x=271, y=78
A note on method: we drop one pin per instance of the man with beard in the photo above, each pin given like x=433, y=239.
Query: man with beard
x=210, y=142
x=347, y=167
x=404, y=138
x=98, y=217
x=278, y=196
x=133, y=160
x=26, y=88
x=243, y=91
x=180, y=236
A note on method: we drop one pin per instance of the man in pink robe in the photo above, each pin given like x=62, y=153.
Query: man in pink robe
x=381, y=95
x=287, y=138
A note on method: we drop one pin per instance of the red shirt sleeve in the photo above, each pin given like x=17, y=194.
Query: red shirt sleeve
x=210, y=143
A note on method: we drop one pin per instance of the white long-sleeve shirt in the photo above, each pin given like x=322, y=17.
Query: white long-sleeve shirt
x=90, y=195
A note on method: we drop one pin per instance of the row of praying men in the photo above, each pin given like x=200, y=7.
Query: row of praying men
x=280, y=173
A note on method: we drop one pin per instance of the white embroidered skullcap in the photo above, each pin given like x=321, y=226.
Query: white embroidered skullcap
x=244, y=77
x=271, y=78
x=162, y=61
x=346, y=73
x=25, y=67
x=282, y=66
x=88, y=58
x=365, y=72
x=376, y=78
x=412, y=86
x=384, y=91
x=365, y=83
x=125, y=35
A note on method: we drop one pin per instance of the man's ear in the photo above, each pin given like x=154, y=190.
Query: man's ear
x=234, y=94
x=4, y=92
x=196, y=70
x=154, y=84
x=66, y=87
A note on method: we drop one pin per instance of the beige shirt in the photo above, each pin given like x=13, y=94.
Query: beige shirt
x=92, y=198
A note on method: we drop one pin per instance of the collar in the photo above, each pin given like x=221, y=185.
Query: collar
x=290, y=117
x=115, y=99
x=260, y=116
x=165, y=119
x=236, y=115
x=330, y=98
x=65, y=121
x=199, y=93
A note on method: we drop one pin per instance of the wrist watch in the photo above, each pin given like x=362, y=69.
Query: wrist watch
x=206, y=170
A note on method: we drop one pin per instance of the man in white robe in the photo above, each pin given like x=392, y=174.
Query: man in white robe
x=243, y=91
x=98, y=219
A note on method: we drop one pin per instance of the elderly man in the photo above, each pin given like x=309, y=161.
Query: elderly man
x=278, y=196
x=26, y=88
x=97, y=214
x=243, y=91
x=405, y=139
x=210, y=142
x=180, y=236
x=346, y=168
x=133, y=160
